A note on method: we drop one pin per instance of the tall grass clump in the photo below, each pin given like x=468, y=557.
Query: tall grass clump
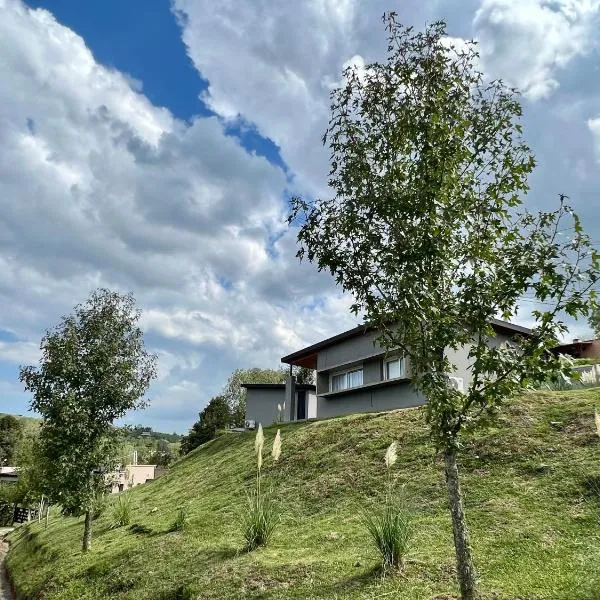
x=122, y=511
x=260, y=517
x=181, y=520
x=390, y=524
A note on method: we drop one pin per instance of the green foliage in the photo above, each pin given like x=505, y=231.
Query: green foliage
x=390, y=523
x=215, y=416
x=259, y=520
x=94, y=368
x=181, y=520
x=391, y=529
x=594, y=318
x=121, y=511
x=11, y=432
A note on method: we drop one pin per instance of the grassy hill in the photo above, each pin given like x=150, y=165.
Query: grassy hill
x=530, y=503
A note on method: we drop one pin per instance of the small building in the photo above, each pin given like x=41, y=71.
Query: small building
x=579, y=348
x=266, y=402
x=128, y=476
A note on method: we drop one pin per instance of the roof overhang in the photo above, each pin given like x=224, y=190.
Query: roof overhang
x=307, y=357
x=276, y=386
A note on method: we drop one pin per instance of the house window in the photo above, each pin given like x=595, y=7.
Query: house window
x=393, y=368
x=344, y=381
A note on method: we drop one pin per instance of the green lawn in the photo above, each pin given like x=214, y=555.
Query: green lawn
x=534, y=522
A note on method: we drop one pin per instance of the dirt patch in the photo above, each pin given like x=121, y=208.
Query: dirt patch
x=5, y=591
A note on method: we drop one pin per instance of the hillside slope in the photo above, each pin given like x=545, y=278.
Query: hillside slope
x=534, y=522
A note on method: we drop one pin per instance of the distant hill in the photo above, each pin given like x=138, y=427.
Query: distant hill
x=529, y=492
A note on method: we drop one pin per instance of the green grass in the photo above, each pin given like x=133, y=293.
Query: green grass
x=534, y=519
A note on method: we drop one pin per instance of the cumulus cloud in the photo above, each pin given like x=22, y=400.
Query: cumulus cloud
x=529, y=42
x=100, y=187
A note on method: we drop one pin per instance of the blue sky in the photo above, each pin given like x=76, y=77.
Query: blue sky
x=151, y=147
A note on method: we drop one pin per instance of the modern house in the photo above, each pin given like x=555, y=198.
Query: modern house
x=353, y=374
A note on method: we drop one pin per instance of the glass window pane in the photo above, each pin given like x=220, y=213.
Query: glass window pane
x=393, y=369
x=338, y=382
x=355, y=378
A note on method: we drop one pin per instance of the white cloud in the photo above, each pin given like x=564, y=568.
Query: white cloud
x=100, y=187
x=19, y=352
x=529, y=42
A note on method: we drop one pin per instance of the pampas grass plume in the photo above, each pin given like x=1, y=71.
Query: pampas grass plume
x=276, y=452
x=391, y=455
x=259, y=442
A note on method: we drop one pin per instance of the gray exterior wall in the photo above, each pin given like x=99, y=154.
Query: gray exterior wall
x=355, y=349
x=362, y=351
x=459, y=358
x=261, y=405
x=375, y=399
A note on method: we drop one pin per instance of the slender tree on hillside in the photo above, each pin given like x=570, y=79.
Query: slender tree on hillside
x=215, y=416
x=425, y=229
x=11, y=432
x=94, y=368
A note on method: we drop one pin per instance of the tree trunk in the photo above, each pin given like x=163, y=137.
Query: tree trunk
x=464, y=561
x=87, y=531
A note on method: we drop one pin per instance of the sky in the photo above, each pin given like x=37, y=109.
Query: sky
x=153, y=147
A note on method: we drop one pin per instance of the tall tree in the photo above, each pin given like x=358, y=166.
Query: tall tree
x=235, y=394
x=11, y=432
x=425, y=230
x=94, y=368
x=215, y=416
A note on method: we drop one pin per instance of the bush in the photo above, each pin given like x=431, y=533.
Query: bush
x=122, y=510
x=260, y=517
x=181, y=520
x=259, y=521
x=390, y=525
x=391, y=531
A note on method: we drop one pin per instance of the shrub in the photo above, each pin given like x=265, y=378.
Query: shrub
x=122, y=510
x=181, y=520
x=260, y=518
x=390, y=525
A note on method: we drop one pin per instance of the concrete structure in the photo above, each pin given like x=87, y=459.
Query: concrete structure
x=129, y=476
x=266, y=402
x=355, y=374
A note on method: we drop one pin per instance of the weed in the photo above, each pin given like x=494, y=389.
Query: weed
x=122, y=510
x=181, y=520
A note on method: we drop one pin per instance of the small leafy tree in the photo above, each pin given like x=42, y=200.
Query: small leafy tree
x=215, y=416
x=94, y=368
x=425, y=229
x=11, y=432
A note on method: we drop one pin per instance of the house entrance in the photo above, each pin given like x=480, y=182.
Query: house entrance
x=301, y=405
